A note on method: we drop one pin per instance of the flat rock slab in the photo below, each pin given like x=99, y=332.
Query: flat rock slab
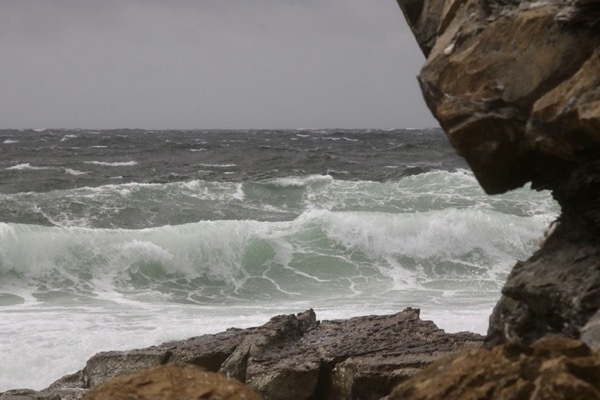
x=291, y=357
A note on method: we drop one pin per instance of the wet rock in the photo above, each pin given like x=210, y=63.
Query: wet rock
x=552, y=368
x=557, y=291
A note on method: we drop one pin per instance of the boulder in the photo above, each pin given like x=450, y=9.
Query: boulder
x=172, y=382
x=550, y=369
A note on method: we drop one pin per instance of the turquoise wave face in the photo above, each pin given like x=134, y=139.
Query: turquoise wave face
x=430, y=233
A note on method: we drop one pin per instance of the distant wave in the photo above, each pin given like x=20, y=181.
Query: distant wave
x=218, y=165
x=112, y=164
x=25, y=166
x=70, y=171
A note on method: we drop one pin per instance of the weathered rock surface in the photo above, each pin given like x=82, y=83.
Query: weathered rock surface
x=557, y=291
x=550, y=369
x=516, y=87
x=290, y=357
x=172, y=382
x=514, y=84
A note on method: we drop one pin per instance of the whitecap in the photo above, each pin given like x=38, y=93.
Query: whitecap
x=218, y=165
x=9, y=141
x=112, y=164
x=74, y=172
x=25, y=166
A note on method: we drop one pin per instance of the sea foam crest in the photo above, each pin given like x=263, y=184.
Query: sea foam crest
x=25, y=166
x=243, y=258
x=112, y=164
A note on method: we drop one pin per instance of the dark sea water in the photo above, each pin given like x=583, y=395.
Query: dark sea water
x=126, y=238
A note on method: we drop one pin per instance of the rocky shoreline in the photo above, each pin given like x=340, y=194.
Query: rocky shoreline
x=290, y=357
x=515, y=85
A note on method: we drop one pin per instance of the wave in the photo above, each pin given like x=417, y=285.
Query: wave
x=25, y=166
x=336, y=253
x=75, y=172
x=112, y=164
x=137, y=205
x=217, y=165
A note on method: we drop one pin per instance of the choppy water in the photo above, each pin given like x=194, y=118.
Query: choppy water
x=121, y=239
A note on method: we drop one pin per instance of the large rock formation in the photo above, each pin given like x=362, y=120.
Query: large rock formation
x=291, y=357
x=516, y=87
x=550, y=369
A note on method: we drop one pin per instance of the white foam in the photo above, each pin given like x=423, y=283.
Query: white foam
x=296, y=181
x=9, y=141
x=25, y=166
x=218, y=165
x=112, y=164
x=70, y=171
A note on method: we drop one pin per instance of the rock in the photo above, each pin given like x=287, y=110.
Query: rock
x=581, y=13
x=557, y=291
x=515, y=85
x=294, y=356
x=496, y=78
x=552, y=368
x=172, y=382
x=27, y=394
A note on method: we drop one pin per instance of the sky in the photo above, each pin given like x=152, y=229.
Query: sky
x=208, y=64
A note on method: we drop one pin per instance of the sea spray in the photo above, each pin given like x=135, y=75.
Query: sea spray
x=257, y=224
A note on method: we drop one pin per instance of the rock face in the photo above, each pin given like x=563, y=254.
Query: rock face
x=516, y=87
x=172, y=382
x=290, y=357
x=550, y=369
x=513, y=84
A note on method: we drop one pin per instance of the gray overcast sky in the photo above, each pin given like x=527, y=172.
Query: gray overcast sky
x=208, y=64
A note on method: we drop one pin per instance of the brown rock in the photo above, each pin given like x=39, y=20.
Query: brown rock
x=565, y=122
x=515, y=85
x=501, y=77
x=550, y=369
x=172, y=382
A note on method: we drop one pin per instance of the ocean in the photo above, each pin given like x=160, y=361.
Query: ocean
x=122, y=239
